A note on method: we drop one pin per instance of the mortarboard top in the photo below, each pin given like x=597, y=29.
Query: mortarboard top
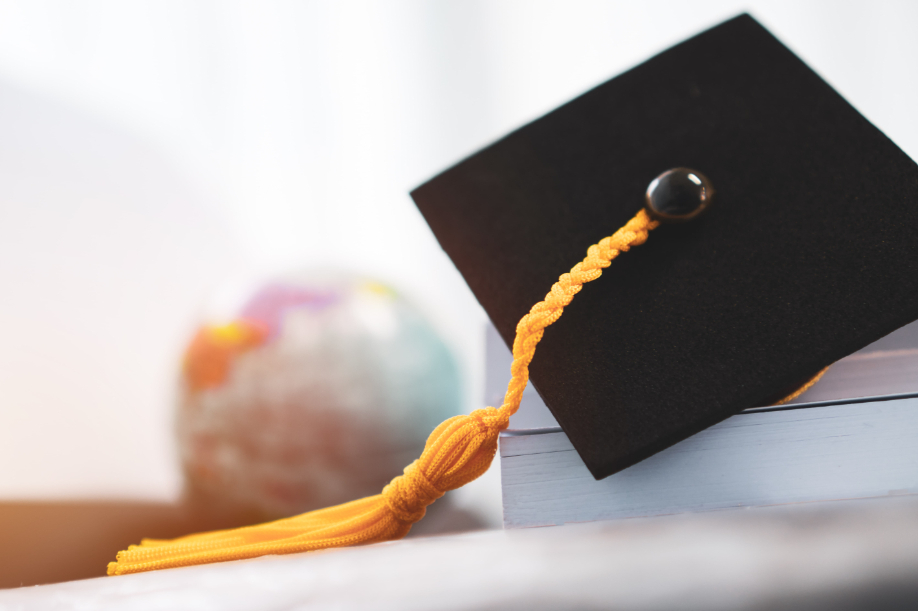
x=808, y=253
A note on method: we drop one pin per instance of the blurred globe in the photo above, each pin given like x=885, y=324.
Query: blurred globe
x=317, y=393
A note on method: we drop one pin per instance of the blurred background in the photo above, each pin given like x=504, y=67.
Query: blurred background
x=160, y=160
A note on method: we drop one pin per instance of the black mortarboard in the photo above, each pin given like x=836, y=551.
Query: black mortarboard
x=808, y=253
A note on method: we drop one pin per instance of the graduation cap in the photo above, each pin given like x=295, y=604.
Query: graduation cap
x=808, y=251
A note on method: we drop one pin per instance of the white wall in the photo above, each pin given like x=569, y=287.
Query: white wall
x=192, y=144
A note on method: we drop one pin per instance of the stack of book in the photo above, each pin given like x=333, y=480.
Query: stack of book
x=851, y=436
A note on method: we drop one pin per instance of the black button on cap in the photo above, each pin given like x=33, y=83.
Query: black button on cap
x=678, y=195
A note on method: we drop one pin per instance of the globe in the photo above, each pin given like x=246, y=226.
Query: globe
x=317, y=392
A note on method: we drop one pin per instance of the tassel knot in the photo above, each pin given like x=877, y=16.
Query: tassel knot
x=407, y=496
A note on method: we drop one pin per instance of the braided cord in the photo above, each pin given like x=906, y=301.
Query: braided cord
x=458, y=451
x=531, y=327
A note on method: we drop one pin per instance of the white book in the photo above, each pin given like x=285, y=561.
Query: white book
x=852, y=436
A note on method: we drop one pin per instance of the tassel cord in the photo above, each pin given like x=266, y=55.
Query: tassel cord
x=458, y=451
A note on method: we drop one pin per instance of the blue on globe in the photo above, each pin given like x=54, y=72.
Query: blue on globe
x=316, y=393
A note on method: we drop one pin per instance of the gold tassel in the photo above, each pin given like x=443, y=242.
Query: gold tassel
x=457, y=452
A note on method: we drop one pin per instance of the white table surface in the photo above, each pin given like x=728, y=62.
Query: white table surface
x=861, y=554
